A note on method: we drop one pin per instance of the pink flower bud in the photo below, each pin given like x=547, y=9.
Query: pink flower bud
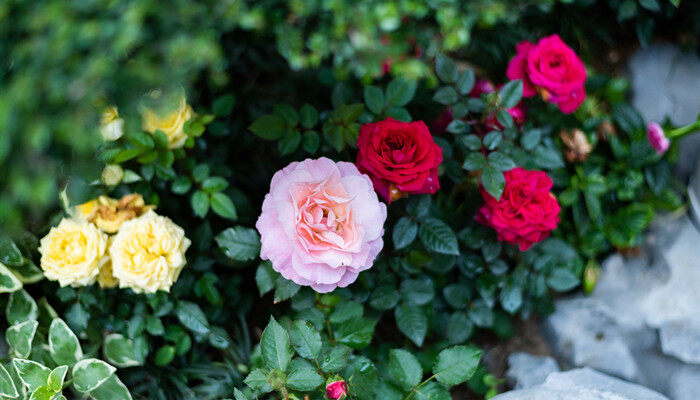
x=337, y=390
x=657, y=138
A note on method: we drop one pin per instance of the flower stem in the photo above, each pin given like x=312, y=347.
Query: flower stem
x=684, y=130
x=417, y=387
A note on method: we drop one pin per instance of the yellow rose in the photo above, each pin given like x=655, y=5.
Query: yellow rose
x=73, y=252
x=106, y=278
x=111, y=126
x=148, y=253
x=109, y=214
x=172, y=123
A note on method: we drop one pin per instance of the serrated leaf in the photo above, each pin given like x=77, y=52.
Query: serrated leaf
x=200, y=203
x=445, y=68
x=289, y=142
x=384, y=297
x=437, y=236
x=400, y=92
x=511, y=93
x=308, y=116
x=265, y=277
x=501, y=161
x=404, y=232
x=192, y=317
x=465, y=82
x=356, y=332
x=239, y=243
x=310, y=142
x=374, y=99
x=303, y=376
x=446, y=95
x=412, y=322
x=404, y=369
x=223, y=206
x=474, y=161
x=285, y=289
x=306, y=340
x=335, y=358
x=511, y=297
x=63, y=344
x=275, y=346
x=257, y=380
x=456, y=364
x=545, y=157
x=268, y=127
x=493, y=181
x=561, y=279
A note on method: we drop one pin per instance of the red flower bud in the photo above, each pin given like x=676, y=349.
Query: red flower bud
x=337, y=390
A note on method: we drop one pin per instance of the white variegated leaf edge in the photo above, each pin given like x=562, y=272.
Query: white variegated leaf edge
x=82, y=364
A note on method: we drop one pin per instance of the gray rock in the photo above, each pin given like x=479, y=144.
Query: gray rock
x=681, y=339
x=527, y=370
x=583, y=384
x=666, y=83
x=685, y=384
x=582, y=333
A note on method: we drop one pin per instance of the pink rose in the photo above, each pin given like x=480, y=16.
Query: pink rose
x=337, y=390
x=321, y=223
x=657, y=138
x=551, y=69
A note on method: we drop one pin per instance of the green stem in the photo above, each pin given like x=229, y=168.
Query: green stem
x=418, y=387
x=684, y=130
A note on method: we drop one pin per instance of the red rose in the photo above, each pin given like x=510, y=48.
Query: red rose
x=526, y=213
x=401, y=158
x=551, y=69
x=337, y=390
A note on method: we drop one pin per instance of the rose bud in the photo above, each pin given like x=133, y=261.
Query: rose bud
x=337, y=390
x=657, y=138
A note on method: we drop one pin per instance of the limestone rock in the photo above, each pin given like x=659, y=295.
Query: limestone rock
x=527, y=370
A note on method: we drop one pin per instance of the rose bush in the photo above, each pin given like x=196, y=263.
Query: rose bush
x=276, y=186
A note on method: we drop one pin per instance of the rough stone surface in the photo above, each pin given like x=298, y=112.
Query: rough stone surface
x=685, y=384
x=681, y=339
x=583, y=384
x=582, y=333
x=527, y=370
x=666, y=83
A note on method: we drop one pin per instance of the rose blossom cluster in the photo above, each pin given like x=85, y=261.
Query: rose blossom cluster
x=145, y=252
x=551, y=69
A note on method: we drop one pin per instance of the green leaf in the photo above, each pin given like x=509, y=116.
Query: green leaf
x=417, y=291
x=7, y=386
x=8, y=281
x=56, y=378
x=214, y=184
x=308, y=116
x=141, y=139
x=31, y=373
x=164, y=355
x=275, y=346
x=289, y=142
x=223, y=105
x=374, y=99
x=288, y=114
x=493, y=181
x=200, y=203
x=384, y=297
x=404, y=233
x=310, y=142
x=493, y=139
x=120, y=351
x=432, y=391
x=160, y=139
x=530, y=138
x=268, y=127
x=306, y=340
x=20, y=337
x=257, y=380
x=303, y=376
x=345, y=311
x=511, y=297
x=511, y=93
x=545, y=157
x=111, y=389
x=561, y=279
x=21, y=307
x=404, y=369
x=458, y=126
x=223, y=206
x=265, y=277
x=192, y=317
x=42, y=393
x=465, y=82
x=399, y=113
x=365, y=378
x=437, y=236
x=400, y=92
x=446, y=95
x=457, y=295
x=473, y=143
x=335, y=358
x=239, y=243
x=445, y=68
x=474, y=161
x=456, y=364
x=9, y=252
x=238, y=395
x=501, y=161
x=63, y=344
x=200, y=173
x=285, y=289
x=90, y=373
x=459, y=327
x=412, y=322
x=126, y=155
x=356, y=332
